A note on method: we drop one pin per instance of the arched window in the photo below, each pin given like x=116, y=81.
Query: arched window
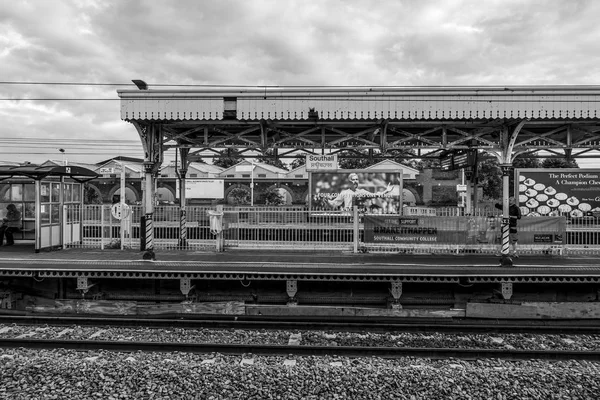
x=130, y=196
x=408, y=197
x=285, y=195
x=164, y=195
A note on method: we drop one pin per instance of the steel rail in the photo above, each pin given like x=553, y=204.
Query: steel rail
x=281, y=350
x=345, y=324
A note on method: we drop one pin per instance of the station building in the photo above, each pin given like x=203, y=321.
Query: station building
x=428, y=187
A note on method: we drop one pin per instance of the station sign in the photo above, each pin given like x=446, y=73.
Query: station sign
x=458, y=159
x=120, y=211
x=321, y=163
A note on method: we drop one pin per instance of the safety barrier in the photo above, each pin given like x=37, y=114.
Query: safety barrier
x=298, y=228
x=101, y=229
x=293, y=229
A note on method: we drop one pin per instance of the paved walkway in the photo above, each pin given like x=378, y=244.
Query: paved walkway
x=20, y=257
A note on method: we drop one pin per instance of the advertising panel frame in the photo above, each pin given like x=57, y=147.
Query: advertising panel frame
x=194, y=185
x=399, y=181
x=571, y=192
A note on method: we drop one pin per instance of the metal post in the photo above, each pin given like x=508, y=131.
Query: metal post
x=82, y=212
x=122, y=202
x=101, y=226
x=62, y=212
x=505, y=260
x=252, y=185
x=355, y=228
x=220, y=244
x=149, y=210
x=468, y=194
x=182, y=209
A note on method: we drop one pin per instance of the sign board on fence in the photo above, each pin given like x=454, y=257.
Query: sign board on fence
x=321, y=163
x=459, y=230
x=120, y=211
x=203, y=189
x=569, y=191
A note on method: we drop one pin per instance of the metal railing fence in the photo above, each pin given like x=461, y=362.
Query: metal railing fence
x=100, y=229
x=293, y=228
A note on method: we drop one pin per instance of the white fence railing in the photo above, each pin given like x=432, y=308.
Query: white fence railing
x=292, y=228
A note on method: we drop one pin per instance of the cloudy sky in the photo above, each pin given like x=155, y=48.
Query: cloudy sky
x=108, y=43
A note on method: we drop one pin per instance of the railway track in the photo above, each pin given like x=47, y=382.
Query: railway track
x=67, y=333
x=281, y=350
x=347, y=324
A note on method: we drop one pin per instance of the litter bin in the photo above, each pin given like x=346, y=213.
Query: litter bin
x=216, y=221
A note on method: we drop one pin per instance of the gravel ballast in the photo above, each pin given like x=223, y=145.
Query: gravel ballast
x=67, y=374
x=515, y=341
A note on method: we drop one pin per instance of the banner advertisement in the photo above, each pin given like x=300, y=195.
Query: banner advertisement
x=571, y=191
x=459, y=230
x=375, y=192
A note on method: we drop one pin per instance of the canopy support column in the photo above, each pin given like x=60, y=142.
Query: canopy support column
x=506, y=158
x=182, y=172
x=151, y=136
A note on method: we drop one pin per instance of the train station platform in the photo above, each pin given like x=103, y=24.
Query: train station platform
x=21, y=260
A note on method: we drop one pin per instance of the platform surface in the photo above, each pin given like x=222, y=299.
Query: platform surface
x=23, y=258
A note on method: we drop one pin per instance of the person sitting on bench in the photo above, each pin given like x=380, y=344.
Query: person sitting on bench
x=10, y=223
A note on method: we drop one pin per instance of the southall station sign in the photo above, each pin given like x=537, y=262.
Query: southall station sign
x=322, y=162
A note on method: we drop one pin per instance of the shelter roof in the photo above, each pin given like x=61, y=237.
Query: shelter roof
x=271, y=168
x=121, y=158
x=37, y=172
x=207, y=167
x=393, y=164
x=58, y=163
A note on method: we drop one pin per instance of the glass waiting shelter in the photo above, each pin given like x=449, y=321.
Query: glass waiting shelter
x=50, y=199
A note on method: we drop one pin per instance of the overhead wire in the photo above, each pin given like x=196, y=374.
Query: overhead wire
x=373, y=96
x=505, y=87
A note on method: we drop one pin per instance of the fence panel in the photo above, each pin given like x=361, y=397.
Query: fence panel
x=470, y=234
x=102, y=230
x=292, y=229
x=298, y=228
x=583, y=236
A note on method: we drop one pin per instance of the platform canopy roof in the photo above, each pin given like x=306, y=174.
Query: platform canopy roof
x=412, y=122
x=37, y=172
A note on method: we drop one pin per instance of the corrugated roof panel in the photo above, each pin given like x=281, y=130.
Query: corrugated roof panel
x=365, y=104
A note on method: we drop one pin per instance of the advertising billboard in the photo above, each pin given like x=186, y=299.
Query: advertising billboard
x=203, y=188
x=459, y=230
x=569, y=191
x=375, y=192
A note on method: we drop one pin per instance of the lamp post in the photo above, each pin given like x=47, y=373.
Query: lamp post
x=64, y=157
x=122, y=204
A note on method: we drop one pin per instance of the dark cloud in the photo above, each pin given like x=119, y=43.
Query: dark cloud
x=274, y=42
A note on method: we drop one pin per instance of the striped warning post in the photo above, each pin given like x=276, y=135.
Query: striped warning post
x=149, y=232
x=182, y=228
x=505, y=236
